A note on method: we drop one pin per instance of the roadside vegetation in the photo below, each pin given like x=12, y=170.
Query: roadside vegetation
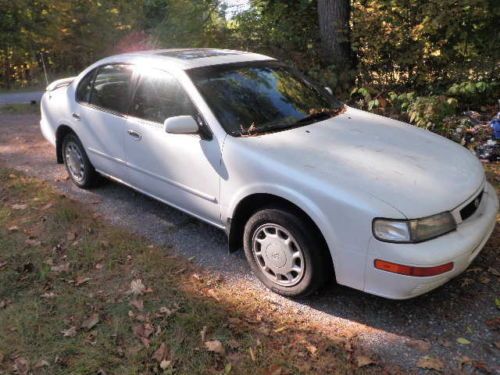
x=425, y=62
x=14, y=109
x=82, y=297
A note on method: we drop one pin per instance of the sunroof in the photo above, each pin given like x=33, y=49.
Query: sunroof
x=191, y=54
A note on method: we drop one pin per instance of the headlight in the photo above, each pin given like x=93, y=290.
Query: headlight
x=418, y=230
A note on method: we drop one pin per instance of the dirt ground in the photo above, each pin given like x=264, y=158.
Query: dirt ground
x=457, y=323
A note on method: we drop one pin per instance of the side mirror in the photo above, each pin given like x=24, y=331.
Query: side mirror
x=181, y=125
x=330, y=91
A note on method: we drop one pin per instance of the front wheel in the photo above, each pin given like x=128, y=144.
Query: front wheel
x=285, y=253
x=77, y=163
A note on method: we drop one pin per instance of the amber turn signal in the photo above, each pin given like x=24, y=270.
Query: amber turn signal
x=412, y=271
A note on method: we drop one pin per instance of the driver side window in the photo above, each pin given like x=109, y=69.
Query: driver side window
x=159, y=96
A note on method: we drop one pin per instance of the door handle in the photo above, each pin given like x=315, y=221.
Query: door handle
x=134, y=134
x=76, y=116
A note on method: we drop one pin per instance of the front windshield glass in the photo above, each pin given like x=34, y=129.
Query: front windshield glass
x=253, y=98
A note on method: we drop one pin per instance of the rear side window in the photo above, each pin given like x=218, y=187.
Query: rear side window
x=159, y=96
x=84, y=88
x=111, y=88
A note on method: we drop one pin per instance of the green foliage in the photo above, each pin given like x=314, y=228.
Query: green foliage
x=430, y=47
x=429, y=111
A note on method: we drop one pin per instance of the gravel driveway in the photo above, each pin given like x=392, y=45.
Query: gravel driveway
x=395, y=332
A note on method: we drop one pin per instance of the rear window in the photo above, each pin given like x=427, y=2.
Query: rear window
x=111, y=88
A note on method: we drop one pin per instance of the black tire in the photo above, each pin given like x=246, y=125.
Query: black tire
x=89, y=177
x=316, y=259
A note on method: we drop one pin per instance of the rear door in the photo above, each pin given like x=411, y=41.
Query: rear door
x=180, y=169
x=102, y=100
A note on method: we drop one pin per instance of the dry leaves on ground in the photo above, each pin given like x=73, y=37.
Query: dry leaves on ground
x=215, y=346
x=91, y=322
x=64, y=267
x=161, y=353
x=70, y=332
x=363, y=360
x=19, y=206
x=430, y=363
x=21, y=366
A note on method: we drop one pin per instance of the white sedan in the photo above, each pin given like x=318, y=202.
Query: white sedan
x=310, y=188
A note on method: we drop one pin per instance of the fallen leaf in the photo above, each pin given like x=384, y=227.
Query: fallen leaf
x=228, y=368
x=197, y=277
x=420, y=345
x=280, y=329
x=46, y=207
x=71, y=236
x=19, y=206
x=213, y=294
x=13, y=229
x=215, y=346
x=430, y=363
x=90, y=322
x=203, y=333
x=48, y=295
x=463, y=341
x=70, y=332
x=21, y=366
x=137, y=287
x=32, y=242
x=466, y=282
x=60, y=268
x=484, y=279
x=363, y=360
x=252, y=354
x=311, y=348
x=80, y=280
x=474, y=270
x=464, y=360
x=138, y=304
x=41, y=363
x=165, y=364
x=493, y=271
x=274, y=370
x=161, y=353
x=494, y=324
x=143, y=332
x=3, y=264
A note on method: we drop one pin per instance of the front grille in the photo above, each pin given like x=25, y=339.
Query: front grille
x=469, y=210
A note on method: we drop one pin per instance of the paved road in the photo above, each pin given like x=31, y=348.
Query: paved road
x=389, y=329
x=20, y=97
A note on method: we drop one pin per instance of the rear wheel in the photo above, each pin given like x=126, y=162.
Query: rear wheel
x=77, y=163
x=285, y=253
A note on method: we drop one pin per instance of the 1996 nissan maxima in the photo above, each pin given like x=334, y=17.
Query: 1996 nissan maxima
x=311, y=188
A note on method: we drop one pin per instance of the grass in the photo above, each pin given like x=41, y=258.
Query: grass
x=19, y=108
x=61, y=265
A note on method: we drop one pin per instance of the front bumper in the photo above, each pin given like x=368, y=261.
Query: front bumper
x=459, y=247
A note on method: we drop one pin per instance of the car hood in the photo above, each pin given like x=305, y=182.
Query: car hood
x=413, y=170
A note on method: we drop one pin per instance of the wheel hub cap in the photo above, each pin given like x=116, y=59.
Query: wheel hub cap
x=74, y=161
x=278, y=255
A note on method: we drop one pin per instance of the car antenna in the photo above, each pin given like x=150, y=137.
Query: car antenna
x=44, y=68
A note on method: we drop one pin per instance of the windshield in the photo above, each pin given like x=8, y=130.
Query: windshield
x=253, y=98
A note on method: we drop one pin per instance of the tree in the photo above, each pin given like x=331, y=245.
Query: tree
x=335, y=32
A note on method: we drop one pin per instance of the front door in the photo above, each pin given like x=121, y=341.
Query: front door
x=180, y=169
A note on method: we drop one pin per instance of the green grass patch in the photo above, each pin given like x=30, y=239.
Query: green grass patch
x=14, y=109
x=78, y=296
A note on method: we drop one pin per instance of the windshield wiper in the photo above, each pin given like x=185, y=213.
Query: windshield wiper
x=314, y=117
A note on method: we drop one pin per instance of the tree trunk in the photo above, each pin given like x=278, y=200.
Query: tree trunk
x=335, y=31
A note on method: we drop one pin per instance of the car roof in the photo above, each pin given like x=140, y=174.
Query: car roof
x=190, y=58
